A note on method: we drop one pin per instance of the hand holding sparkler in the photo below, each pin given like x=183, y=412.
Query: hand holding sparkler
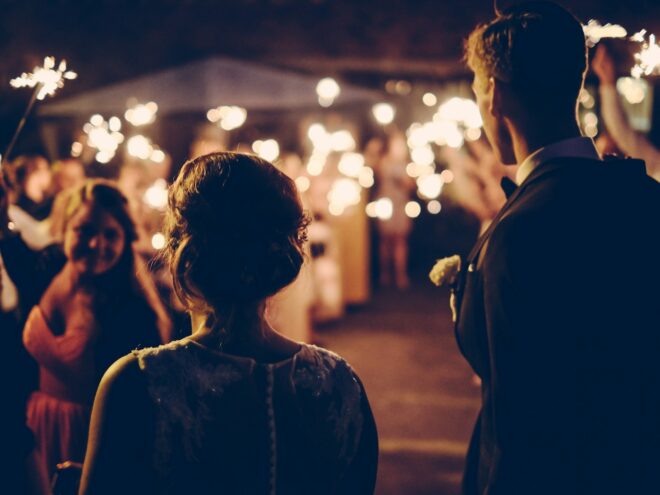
x=603, y=67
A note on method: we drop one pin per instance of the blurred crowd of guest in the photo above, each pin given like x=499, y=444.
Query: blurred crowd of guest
x=79, y=255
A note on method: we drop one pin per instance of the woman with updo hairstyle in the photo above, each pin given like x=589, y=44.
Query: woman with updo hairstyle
x=86, y=302
x=236, y=407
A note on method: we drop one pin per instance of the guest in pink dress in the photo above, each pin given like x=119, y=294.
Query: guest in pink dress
x=88, y=304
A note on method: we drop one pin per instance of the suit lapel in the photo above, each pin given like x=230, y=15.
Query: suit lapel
x=474, y=254
x=538, y=173
x=467, y=332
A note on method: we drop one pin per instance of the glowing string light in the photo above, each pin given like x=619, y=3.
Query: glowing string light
x=383, y=113
x=268, y=149
x=350, y=164
x=139, y=147
x=382, y=209
x=633, y=90
x=158, y=241
x=228, y=117
x=430, y=186
x=434, y=207
x=303, y=183
x=141, y=114
x=413, y=209
x=327, y=90
x=156, y=195
x=101, y=137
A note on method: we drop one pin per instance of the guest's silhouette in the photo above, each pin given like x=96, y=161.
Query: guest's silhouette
x=236, y=407
x=559, y=310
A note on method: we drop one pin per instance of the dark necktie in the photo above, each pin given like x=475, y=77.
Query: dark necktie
x=508, y=186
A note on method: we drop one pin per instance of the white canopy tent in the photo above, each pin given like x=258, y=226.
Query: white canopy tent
x=204, y=84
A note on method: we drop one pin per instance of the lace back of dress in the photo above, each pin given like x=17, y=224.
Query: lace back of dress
x=180, y=384
x=331, y=381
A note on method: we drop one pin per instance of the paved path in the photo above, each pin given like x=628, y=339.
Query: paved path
x=421, y=390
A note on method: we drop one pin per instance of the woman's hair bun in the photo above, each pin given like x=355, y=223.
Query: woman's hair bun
x=235, y=229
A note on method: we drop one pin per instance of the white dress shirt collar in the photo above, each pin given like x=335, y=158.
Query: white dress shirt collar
x=579, y=147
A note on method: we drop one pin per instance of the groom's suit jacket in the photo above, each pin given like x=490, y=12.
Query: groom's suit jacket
x=559, y=314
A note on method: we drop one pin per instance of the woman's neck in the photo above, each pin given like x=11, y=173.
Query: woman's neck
x=248, y=337
x=248, y=328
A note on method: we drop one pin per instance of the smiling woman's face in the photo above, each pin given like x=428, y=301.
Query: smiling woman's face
x=94, y=241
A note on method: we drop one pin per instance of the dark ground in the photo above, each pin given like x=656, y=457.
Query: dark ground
x=420, y=388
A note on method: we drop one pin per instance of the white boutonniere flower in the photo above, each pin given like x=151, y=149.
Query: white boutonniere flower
x=445, y=273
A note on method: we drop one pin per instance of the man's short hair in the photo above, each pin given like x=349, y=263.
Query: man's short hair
x=537, y=47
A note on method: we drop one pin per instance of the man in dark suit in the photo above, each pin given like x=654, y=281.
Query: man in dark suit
x=560, y=299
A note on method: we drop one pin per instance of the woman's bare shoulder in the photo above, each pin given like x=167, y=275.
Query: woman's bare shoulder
x=122, y=380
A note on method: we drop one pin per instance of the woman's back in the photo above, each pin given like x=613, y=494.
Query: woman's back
x=225, y=424
x=183, y=418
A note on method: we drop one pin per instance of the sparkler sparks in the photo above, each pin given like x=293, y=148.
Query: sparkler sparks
x=47, y=79
x=455, y=121
x=639, y=36
x=647, y=60
x=594, y=31
x=100, y=135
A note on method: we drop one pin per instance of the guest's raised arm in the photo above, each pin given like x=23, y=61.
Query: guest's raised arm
x=631, y=142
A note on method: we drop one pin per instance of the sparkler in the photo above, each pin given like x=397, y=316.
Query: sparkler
x=594, y=31
x=104, y=136
x=45, y=81
x=647, y=60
